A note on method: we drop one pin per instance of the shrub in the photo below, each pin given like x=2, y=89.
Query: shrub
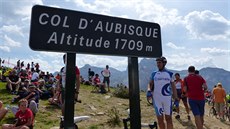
x=121, y=92
x=114, y=117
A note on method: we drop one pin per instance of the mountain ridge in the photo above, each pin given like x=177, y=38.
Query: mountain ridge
x=147, y=66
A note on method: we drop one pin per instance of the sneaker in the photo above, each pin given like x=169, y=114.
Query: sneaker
x=189, y=118
x=177, y=116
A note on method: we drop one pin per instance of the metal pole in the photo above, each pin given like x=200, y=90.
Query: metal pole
x=134, y=93
x=69, y=91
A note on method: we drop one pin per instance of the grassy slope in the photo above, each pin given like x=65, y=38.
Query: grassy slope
x=97, y=106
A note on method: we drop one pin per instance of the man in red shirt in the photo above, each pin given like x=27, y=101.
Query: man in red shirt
x=195, y=85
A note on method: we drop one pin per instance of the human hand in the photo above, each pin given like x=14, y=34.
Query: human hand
x=149, y=94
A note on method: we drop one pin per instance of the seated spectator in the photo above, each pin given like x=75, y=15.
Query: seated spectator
x=43, y=90
x=56, y=99
x=97, y=83
x=3, y=111
x=49, y=85
x=35, y=76
x=25, y=118
x=82, y=80
x=13, y=82
x=33, y=98
x=23, y=75
x=22, y=91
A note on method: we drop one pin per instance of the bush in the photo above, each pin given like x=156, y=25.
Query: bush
x=121, y=92
x=114, y=117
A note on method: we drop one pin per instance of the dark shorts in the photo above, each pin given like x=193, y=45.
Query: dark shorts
x=184, y=99
x=197, y=107
x=106, y=80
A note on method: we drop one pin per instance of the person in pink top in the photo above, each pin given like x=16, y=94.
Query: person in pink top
x=106, y=74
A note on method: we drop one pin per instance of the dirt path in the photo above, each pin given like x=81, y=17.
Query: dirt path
x=98, y=105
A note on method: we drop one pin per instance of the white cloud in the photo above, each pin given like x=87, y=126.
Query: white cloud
x=215, y=51
x=153, y=12
x=51, y=54
x=5, y=48
x=25, y=10
x=146, y=10
x=207, y=25
x=10, y=42
x=12, y=29
x=17, y=9
x=173, y=46
x=184, y=60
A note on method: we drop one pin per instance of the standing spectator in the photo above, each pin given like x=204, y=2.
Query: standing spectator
x=63, y=80
x=90, y=75
x=22, y=64
x=28, y=67
x=32, y=66
x=3, y=111
x=37, y=66
x=18, y=64
x=181, y=96
x=159, y=87
x=106, y=74
x=13, y=82
x=25, y=118
x=219, y=95
x=195, y=85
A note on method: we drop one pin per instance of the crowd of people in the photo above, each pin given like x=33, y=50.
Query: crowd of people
x=192, y=90
x=29, y=84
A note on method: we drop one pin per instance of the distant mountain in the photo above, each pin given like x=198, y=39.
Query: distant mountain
x=147, y=66
x=211, y=75
x=117, y=76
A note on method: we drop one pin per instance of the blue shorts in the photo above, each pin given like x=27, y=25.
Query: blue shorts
x=197, y=107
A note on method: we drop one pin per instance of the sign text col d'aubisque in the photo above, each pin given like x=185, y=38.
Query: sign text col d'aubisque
x=61, y=30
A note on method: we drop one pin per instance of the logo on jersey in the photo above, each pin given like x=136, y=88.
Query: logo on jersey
x=161, y=110
x=166, y=90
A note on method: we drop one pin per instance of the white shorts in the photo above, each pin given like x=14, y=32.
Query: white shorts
x=163, y=105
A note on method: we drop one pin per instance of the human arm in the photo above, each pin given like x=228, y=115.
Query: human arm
x=77, y=83
x=174, y=91
x=19, y=80
x=102, y=73
x=150, y=89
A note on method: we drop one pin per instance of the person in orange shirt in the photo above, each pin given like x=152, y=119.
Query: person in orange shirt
x=219, y=99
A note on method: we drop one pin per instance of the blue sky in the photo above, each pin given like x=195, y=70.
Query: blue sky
x=193, y=32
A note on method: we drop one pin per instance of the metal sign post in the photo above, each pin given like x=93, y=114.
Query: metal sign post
x=70, y=91
x=62, y=30
x=134, y=95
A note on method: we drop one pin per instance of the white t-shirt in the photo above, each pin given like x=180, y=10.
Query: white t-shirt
x=35, y=76
x=106, y=73
x=178, y=85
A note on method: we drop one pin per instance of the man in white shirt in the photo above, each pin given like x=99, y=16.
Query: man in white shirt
x=106, y=74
